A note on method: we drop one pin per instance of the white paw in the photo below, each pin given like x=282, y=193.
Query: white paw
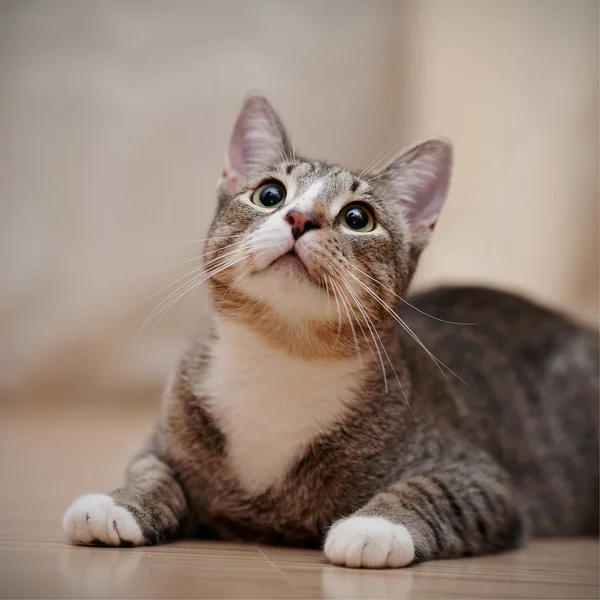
x=97, y=517
x=371, y=542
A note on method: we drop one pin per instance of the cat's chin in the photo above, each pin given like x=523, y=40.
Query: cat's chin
x=290, y=265
x=287, y=287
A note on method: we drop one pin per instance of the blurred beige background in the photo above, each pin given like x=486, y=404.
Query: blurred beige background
x=114, y=118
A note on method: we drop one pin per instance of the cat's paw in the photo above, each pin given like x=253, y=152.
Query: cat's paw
x=369, y=542
x=97, y=518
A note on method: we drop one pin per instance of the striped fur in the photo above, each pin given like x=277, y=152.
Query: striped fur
x=462, y=442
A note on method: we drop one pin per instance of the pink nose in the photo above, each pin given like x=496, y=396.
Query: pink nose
x=300, y=222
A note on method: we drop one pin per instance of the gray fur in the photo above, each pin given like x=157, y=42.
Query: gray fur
x=470, y=461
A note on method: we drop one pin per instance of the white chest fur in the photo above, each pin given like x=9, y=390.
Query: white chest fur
x=271, y=405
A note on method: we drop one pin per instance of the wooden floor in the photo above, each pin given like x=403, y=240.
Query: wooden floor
x=47, y=458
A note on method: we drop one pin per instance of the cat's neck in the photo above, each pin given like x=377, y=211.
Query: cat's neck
x=271, y=405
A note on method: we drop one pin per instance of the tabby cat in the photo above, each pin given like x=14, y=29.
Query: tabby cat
x=322, y=408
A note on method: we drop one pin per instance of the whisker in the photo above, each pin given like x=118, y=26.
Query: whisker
x=237, y=280
x=380, y=158
x=214, y=237
x=384, y=173
x=294, y=144
x=179, y=293
x=374, y=330
x=189, y=260
x=354, y=315
x=189, y=272
x=337, y=307
x=222, y=255
x=385, y=287
x=369, y=325
x=195, y=281
x=436, y=360
x=357, y=318
x=346, y=305
x=282, y=152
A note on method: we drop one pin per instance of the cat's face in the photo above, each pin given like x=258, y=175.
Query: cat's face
x=310, y=254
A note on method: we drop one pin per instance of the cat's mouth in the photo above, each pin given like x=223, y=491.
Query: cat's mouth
x=291, y=265
x=290, y=261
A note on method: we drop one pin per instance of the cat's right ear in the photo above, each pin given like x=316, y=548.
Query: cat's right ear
x=257, y=141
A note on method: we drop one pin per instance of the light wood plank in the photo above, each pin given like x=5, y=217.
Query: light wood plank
x=47, y=458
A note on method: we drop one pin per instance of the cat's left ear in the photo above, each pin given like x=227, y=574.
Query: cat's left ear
x=257, y=141
x=419, y=179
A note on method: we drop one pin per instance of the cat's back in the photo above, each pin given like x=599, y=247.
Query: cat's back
x=492, y=312
x=529, y=394
x=457, y=321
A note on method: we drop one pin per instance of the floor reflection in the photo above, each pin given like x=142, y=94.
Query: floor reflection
x=347, y=584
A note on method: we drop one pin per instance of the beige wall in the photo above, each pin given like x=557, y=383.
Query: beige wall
x=114, y=117
x=515, y=85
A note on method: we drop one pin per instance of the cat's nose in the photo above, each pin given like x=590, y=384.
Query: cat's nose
x=301, y=222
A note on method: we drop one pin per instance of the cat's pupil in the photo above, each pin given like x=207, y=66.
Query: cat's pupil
x=271, y=196
x=357, y=218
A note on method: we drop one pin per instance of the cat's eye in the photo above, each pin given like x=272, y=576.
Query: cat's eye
x=357, y=218
x=269, y=195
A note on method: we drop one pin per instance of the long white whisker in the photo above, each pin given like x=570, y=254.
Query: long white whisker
x=436, y=360
x=369, y=325
x=381, y=157
x=241, y=248
x=357, y=318
x=392, y=313
x=187, y=287
x=186, y=274
x=337, y=307
x=189, y=260
x=385, y=287
x=354, y=315
x=294, y=144
x=374, y=329
x=373, y=332
x=347, y=308
x=277, y=146
x=390, y=173
x=214, y=237
x=194, y=282
x=236, y=281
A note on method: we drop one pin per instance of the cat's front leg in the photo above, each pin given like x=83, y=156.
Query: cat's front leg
x=459, y=510
x=149, y=509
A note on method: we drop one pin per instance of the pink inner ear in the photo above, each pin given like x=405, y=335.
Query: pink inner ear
x=429, y=199
x=420, y=178
x=235, y=155
x=257, y=140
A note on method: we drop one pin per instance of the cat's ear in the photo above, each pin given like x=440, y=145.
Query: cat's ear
x=419, y=179
x=257, y=141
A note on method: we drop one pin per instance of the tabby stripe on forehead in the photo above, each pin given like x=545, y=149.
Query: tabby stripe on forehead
x=355, y=185
x=289, y=169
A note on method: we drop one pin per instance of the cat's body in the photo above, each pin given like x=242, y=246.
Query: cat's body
x=554, y=472
x=310, y=401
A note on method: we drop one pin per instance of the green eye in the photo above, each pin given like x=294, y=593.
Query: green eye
x=357, y=218
x=269, y=195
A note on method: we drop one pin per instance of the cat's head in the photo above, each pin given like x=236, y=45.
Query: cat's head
x=312, y=255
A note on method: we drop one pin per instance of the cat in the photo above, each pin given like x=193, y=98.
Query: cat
x=324, y=409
